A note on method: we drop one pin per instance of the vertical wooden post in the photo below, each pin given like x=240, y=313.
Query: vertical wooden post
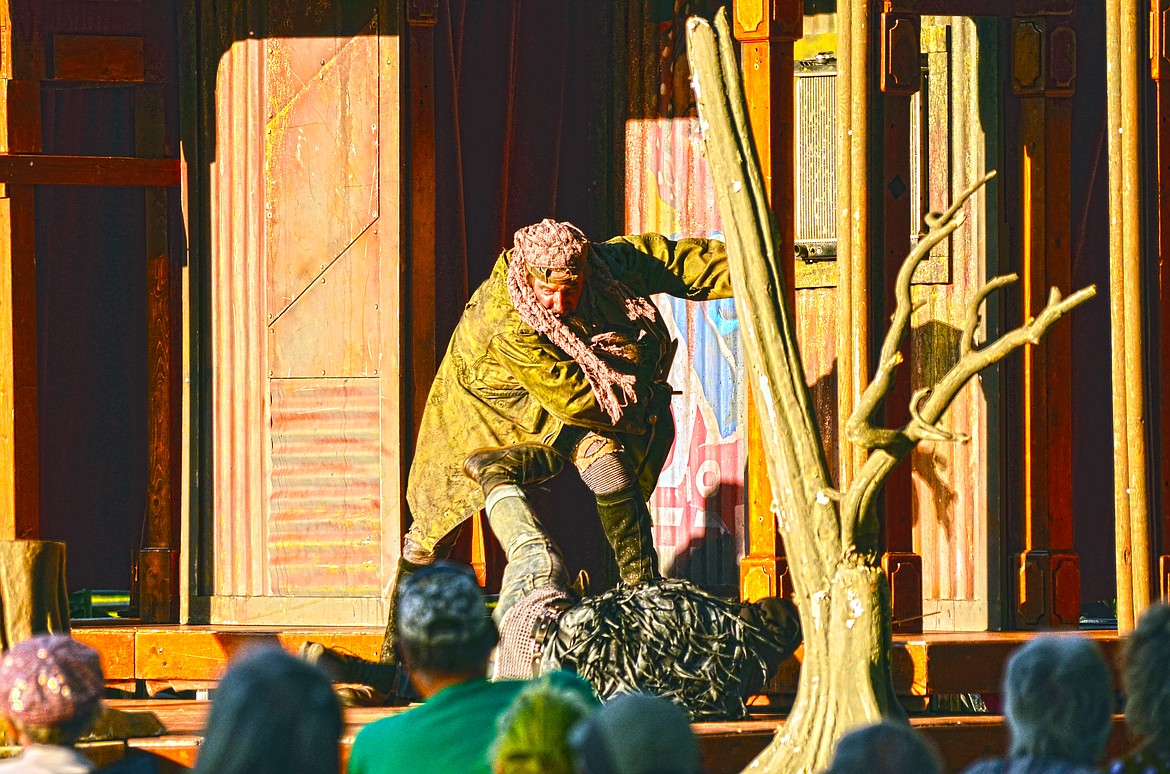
x=1123, y=55
x=20, y=132
x=855, y=20
x=1160, y=71
x=421, y=16
x=901, y=78
x=158, y=560
x=767, y=30
x=1044, y=76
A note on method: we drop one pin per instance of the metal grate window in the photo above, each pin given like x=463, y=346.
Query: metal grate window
x=816, y=158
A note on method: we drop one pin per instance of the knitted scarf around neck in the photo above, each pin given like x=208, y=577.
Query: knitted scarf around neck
x=612, y=389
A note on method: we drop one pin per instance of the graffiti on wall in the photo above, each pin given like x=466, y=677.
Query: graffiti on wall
x=698, y=506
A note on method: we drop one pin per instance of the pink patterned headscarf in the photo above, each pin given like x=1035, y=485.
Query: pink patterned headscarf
x=558, y=252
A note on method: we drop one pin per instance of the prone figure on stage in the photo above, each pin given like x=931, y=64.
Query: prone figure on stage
x=560, y=355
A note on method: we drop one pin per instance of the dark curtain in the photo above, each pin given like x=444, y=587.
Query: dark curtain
x=91, y=344
x=529, y=115
x=525, y=128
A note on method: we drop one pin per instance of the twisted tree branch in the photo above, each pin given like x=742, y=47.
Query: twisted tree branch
x=857, y=517
x=974, y=315
x=860, y=428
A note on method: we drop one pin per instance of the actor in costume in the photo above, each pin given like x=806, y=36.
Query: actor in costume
x=559, y=355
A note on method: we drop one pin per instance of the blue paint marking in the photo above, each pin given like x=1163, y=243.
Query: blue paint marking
x=721, y=383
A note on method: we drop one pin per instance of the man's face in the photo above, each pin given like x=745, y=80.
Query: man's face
x=560, y=299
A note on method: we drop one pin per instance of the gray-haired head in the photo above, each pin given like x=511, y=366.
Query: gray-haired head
x=884, y=748
x=636, y=734
x=1146, y=677
x=1058, y=699
x=443, y=623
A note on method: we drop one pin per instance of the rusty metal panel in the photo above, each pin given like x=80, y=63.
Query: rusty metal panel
x=333, y=328
x=321, y=151
x=698, y=506
x=238, y=335
x=305, y=223
x=323, y=531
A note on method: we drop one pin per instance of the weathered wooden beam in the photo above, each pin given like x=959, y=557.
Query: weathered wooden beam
x=855, y=22
x=20, y=131
x=1160, y=72
x=421, y=17
x=116, y=58
x=766, y=30
x=1043, y=77
x=900, y=78
x=158, y=559
x=949, y=7
x=1123, y=52
x=42, y=169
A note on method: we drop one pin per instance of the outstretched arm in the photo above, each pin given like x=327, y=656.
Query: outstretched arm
x=695, y=269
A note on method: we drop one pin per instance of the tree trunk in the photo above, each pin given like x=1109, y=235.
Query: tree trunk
x=846, y=647
x=831, y=536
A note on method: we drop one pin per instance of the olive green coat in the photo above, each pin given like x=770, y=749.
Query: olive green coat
x=502, y=383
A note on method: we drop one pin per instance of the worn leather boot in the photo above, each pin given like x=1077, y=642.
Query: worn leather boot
x=521, y=464
x=625, y=519
x=382, y=675
x=389, y=654
x=347, y=668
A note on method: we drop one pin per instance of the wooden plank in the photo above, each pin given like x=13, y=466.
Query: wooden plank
x=20, y=116
x=855, y=119
x=1160, y=66
x=948, y=8
x=19, y=455
x=115, y=646
x=297, y=611
x=1049, y=575
x=900, y=79
x=158, y=576
x=723, y=746
x=1126, y=126
x=203, y=654
x=319, y=207
x=180, y=750
x=103, y=753
x=20, y=130
x=421, y=72
x=323, y=526
x=238, y=337
x=107, y=58
x=394, y=331
x=37, y=169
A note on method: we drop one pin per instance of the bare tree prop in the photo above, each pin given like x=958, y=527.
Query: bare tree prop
x=831, y=537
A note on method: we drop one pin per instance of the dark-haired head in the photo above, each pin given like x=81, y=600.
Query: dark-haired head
x=272, y=714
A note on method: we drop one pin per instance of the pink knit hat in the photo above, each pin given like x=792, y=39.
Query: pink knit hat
x=555, y=252
x=50, y=679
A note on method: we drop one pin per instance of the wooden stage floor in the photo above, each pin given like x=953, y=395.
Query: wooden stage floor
x=185, y=658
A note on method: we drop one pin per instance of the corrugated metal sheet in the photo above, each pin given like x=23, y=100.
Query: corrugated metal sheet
x=324, y=520
x=238, y=333
x=698, y=506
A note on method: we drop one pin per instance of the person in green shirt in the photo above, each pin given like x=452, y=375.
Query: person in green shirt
x=445, y=636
